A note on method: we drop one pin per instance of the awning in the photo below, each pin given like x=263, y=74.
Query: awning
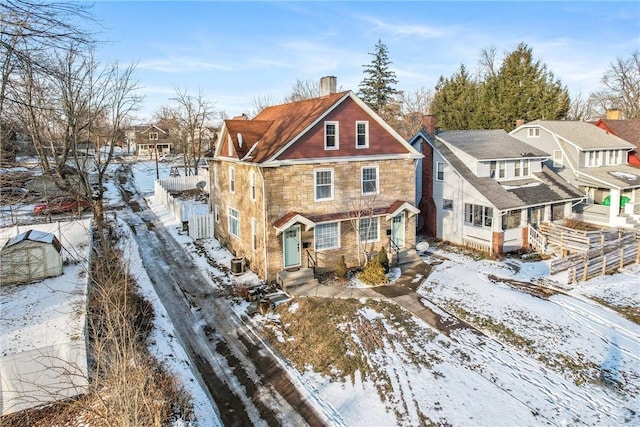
x=290, y=219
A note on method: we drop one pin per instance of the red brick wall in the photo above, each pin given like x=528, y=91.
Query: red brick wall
x=497, y=241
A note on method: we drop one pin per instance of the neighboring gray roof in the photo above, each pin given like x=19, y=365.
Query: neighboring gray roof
x=582, y=134
x=545, y=187
x=621, y=176
x=492, y=144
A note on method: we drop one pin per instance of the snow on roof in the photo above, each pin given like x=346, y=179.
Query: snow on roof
x=34, y=236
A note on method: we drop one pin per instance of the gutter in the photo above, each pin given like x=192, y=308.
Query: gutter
x=264, y=227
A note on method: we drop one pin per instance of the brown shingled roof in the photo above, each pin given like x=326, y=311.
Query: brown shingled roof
x=629, y=130
x=276, y=126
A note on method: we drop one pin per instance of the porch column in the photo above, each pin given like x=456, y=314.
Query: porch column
x=614, y=206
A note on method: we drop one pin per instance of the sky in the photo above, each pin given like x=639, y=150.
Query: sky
x=237, y=52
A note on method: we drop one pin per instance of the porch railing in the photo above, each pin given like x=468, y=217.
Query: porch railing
x=395, y=249
x=312, y=263
x=537, y=240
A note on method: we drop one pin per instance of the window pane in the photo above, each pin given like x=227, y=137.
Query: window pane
x=368, y=229
x=369, y=180
x=330, y=135
x=323, y=185
x=361, y=134
x=326, y=236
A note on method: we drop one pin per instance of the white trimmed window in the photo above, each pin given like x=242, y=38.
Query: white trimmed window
x=439, y=171
x=447, y=204
x=478, y=215
x=517, y=168
x=216, y=213
x=525, y=167
x=492, y=169
x=252, y=185
x=323, y=184
x=234, y=222
x=232, y=180
x=362, y=134
x=369, y=176
x=327, y=236
x=502, y=169
x=331, y=140
x=369, y=229
x=254, y=234
x=533, y=132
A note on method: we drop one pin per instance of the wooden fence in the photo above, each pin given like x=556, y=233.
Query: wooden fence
x=587, y=254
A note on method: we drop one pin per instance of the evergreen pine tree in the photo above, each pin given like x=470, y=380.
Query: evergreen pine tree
x=455, y=101
x=377, y=87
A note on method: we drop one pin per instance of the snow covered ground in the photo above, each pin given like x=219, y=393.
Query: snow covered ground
x=579, y=363
x=562, y=361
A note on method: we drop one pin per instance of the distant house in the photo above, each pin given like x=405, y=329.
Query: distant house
x=30, y=256
x=629, y=130
x=594, y=161
x=305, y=183
x=152, y=139
x=483, y=188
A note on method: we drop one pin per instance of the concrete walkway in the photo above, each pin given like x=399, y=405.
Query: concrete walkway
x=402, y=291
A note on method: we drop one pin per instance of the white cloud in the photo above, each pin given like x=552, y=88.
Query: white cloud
x=404, y=29
x=181, y=65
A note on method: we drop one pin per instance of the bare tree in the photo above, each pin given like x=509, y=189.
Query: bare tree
x=29, y=31
x=303, y=89
x=622, y=87
x=583, y=109
x=260, y=102
x=81, y=102
x=193, y=115
x=488, y=63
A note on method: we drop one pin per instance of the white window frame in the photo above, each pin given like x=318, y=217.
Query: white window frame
x=502, y=169
x=252, y=185
x=336, y=136
x=216, y=213
x=439, y=171
x=533, y=132
x=254, y=235
x=526, y=168
x=377, y=181
x=517, y=168
x=337, y=236
x=377, y=229
x=473, y=212
x=366, y=134
x=315, y=185
x=493, y=166
x=232, y=180
x=234, y=218
x=447, y=204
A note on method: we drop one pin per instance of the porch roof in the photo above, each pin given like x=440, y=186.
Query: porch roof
x=310, y=221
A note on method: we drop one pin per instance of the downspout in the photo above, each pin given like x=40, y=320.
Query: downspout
x=264, y=227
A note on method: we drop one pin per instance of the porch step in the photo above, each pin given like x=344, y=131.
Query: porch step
x=406, y=257
x=288, y=279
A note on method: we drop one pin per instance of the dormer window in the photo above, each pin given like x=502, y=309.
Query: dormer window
x=331, y=136
x=502, y=168
x=516, y=168
x=362, y=134
x=492, y=169
x=533, y=132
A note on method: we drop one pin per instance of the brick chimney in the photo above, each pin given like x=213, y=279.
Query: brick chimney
x=519, y=123
x=429, y=123
x=613, y=114
x=328, y=85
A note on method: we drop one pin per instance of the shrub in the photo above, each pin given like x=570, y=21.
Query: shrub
x=341, y=269
x=383, y=259
x=373, y=273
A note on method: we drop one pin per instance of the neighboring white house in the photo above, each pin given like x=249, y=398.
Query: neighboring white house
x=30, y=256
x=482, y=188
x=594, y=161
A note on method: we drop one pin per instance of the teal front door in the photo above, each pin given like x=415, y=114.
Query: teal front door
x=397, y=229
x=291, y=247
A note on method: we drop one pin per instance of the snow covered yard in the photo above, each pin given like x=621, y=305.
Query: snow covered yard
x=537, y=362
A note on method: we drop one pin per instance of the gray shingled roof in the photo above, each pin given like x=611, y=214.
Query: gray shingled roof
x=582, y=134
x=492, y=144
x=546, y=187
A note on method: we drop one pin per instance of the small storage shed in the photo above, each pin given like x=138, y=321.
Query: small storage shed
x=32, y=255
